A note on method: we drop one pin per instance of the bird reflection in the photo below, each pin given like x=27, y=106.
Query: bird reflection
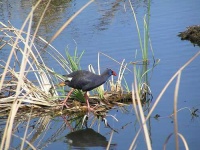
x=86, y=138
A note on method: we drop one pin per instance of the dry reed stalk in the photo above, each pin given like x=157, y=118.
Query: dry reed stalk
x=25, y=54
x=175, y=110
x=26, y=142
x=26, y=130
x=142, y=117
x=123, y=66
x=169, y=82
x=137, y=115
x=32, y=93
x=176, y=133
x=16, y=103
x=182, y=138
x=177, y=74
x=109, y=142
x=15, y=44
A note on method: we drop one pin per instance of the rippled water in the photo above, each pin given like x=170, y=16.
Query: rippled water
x=109, y=27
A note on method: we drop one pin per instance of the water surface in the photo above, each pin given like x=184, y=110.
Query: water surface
x=109, y=27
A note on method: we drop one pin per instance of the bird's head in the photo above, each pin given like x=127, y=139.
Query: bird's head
x=111, y=72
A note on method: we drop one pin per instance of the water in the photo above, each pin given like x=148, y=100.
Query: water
x=109, y=27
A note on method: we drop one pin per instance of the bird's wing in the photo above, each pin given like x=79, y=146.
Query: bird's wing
x=87, y=82
x=71, y=74
x=84, y=80
x=93, y=82
x=89, y=86
x=74, y=74
x=81, y=79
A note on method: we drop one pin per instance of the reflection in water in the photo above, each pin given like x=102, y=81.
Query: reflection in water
x=60, y=11
x=108, y=13
x=86, y=138
x=109, y=10
x=18, y=11
x=53, y=16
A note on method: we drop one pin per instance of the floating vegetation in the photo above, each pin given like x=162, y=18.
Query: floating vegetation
x=192, y=34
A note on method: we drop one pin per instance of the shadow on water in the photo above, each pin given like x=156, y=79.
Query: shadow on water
x=45, y=131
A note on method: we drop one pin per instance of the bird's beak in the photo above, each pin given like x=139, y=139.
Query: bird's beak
x=62, y=84
x=114, y=73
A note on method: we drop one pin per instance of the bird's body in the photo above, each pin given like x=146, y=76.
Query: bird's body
x=86, y=81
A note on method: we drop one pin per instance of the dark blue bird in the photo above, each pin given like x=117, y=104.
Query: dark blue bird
x=86, y=81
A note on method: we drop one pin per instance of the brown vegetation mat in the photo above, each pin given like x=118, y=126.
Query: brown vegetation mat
x=74, y=106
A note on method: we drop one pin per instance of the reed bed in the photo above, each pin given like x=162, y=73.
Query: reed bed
x=29, y=86
x=39, y=83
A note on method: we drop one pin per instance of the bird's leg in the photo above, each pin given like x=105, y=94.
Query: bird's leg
x=88, y=104
x=64, y=102
x=86, y=98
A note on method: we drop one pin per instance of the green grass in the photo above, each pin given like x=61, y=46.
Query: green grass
x=141, y=68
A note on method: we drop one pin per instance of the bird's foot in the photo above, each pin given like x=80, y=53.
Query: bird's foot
x=64, y=104
x=90, y=109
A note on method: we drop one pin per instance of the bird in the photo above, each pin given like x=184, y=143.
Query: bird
x=85, y=81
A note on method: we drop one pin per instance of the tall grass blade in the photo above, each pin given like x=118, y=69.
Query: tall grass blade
x=137, y=26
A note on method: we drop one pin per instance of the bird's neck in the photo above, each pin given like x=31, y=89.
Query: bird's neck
x=105, y=75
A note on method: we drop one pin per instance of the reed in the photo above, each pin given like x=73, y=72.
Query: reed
x=140, y=116
x=141, y=71
x=25, y=64
x=25, y=60
x=142, y=66
x=177, y=76
x=145, y=44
